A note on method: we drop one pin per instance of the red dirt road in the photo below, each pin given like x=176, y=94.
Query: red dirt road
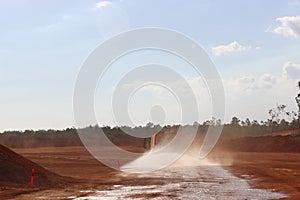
x=273, y=171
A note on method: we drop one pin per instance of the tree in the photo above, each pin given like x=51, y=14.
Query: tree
x=248, y=122
x=283, y=125
x=243, y=123
x=276, y=113
x=149, y=125
x=213, y=121
x=235, y=121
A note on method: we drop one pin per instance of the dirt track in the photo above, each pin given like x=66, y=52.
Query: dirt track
x=273, y=171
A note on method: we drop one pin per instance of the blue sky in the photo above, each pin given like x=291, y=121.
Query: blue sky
x=254, y=44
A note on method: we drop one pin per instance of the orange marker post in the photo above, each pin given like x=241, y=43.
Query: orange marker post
x=32, y=177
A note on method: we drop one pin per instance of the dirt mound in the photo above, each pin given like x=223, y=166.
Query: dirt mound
x=265, y=144
x=15, y=170
x=291, y=132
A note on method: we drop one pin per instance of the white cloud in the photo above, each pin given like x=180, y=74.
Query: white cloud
x=230, y=48
x=268, y=78
x=234, y=87
x=290, y=26
x=253, y=96
x=267, y=81
x=291, y=70
x=103, y=4
x=254, y=99
x=246, y=80
x=246, y=96
x=290, y=74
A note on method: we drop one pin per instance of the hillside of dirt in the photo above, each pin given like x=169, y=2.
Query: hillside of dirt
x=264, y=144
x=15, y=170
x=276, y=141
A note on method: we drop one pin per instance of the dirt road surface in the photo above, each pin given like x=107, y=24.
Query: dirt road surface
x=240, y=176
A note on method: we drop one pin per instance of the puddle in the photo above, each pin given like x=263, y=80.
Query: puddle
x=197, y=182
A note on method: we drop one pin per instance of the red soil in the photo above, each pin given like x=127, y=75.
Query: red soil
x=15, y=170
x=282, y=133
x=264, y=144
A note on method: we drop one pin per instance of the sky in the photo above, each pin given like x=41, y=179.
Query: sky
x=43, y=44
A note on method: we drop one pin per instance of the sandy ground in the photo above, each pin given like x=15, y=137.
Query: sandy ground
x=275, y=171
x=241, y=176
